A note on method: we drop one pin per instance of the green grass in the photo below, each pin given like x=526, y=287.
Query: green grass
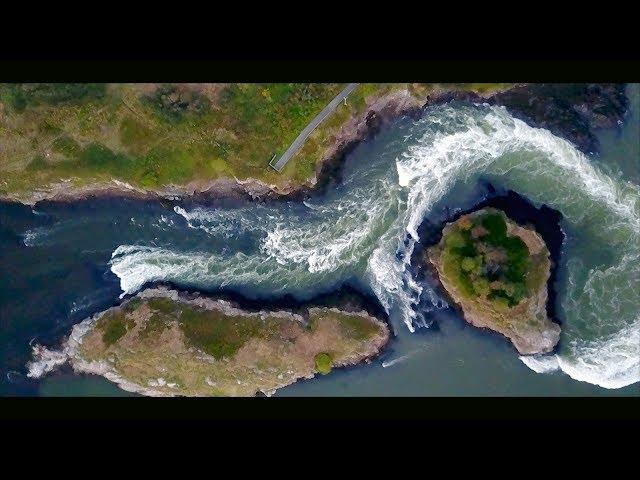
x=163, y=305
x=169, y=134
x=113, y=326
x=22, y=95
x=134, y=134
x=154, y=325
x=67, y=146
x=356, y=327
x=323, y=363
x=132, y=305
x=38, y=163
x=175, y=105
x=493, y=265
x=216, y=334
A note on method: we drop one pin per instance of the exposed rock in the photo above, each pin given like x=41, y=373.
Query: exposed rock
x=163, y=342
x=485, y=296
x=572, y=111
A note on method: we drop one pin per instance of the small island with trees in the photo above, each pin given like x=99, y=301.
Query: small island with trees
x=497, y=272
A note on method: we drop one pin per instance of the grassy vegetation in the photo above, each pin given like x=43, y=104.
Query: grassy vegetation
x=482, y=260
x=216, y=334
x=323, y=362
x=113, y=326
x=152, y=136
x=176, y=105
x=23, y=95
x=158, y=343
x=156, y=323
x=132, y=305
x=356, y=326
x=163, y=305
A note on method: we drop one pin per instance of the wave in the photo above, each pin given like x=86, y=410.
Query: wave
x=401, y=358
x=44, y=361
x=370, y=230
x=541, y=363
x=548, y=170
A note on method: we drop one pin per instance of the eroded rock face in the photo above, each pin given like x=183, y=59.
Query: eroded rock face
x=165, y=343
x=496, y=271
x=573, y=111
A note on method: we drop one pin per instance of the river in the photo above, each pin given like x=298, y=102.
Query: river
x=60, y=263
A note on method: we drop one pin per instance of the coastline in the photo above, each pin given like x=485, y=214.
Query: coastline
x=543, y=220
x=379, y=112
x=339, y=289
x=46, y=360
x=523, y=320
x=574, y=120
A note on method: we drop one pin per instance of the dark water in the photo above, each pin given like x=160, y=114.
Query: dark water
x=60, y=263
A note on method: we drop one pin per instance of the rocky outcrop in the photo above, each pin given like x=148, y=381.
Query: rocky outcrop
x=477, y=272
x=162, y=342
x=572, y=111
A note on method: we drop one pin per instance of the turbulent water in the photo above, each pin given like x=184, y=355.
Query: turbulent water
x=364, y=231
x=369, y=229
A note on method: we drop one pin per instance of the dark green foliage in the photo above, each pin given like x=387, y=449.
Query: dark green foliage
x=163, y=305
x=23, y=95
x=132, y=304
x=154, y=325
x=67, y=146
x=47, y=128
x=218, y=335
x=113, y=327
x=490, y=258
x=38, y=163
x=518, y=259
x=97, y=157
x=497, y=228
x=174, y=104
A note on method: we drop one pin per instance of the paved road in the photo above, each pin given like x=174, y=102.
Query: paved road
x=299, y=141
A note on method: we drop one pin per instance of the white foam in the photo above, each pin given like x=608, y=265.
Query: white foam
x=401, y=358
x=364, y=231
x=541, y=363
x=44, y=361
x=31, y=238
x=610, y=362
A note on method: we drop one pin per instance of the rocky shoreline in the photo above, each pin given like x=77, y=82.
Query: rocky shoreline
x=571, y=111
x=545, y=221
x=305, y=330
x=488, y=298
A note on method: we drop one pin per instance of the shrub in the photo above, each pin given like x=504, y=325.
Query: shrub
x=113, y=327
x=507, y=260
x=323, y=363
x=218, y=335
x=23, y=95
x=173, y=104
x=67, y=146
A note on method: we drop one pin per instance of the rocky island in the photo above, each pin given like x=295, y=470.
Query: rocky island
x=496, y=271
x=165, y=343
